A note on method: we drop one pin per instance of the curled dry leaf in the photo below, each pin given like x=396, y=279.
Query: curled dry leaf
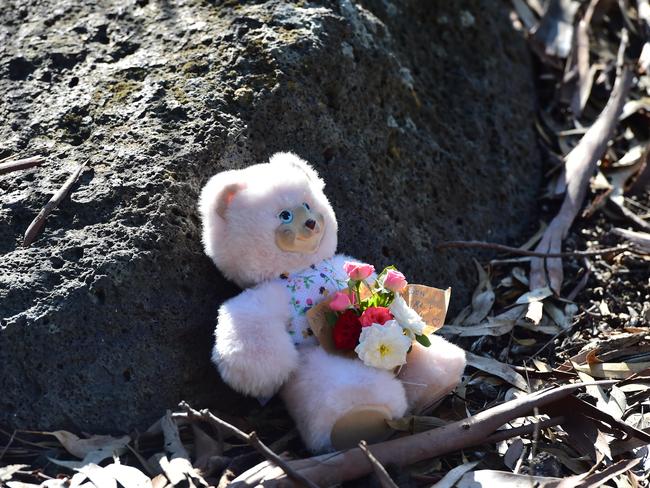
x=483, y=297
x=513, y=453
x=178, y=468
x=452, y=476
x=81, y=448
x=128, y=476
x=503, y=479
x=497, y=368
x=618, y=371
x=536, y=295
x=98, y=476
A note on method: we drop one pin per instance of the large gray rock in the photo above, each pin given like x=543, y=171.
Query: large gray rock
x=418, y=114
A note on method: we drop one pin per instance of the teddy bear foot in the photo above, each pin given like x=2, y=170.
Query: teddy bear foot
x=365, y=422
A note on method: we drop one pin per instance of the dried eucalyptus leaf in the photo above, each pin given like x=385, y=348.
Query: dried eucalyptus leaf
x=497, y=368
x=482, y=298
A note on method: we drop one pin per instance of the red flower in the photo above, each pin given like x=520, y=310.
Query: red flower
x=347, y=330
x=375, y=315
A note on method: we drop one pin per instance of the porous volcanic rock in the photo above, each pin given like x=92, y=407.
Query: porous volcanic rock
x=417, y=113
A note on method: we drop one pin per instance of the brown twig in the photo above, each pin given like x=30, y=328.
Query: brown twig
x=330, y=469
x=598, y=479
x=384, y=478
x=523, y=252
x=502, y=435
x=581, y=163
x=252, y=439
x=21, y=164
x=39, y=221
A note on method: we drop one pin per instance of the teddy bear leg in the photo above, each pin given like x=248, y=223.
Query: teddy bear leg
x=336, y=401
x=431, y=372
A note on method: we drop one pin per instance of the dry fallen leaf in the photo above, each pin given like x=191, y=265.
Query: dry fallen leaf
x=453, y=475
x=91, y=448
x=482, y=298
x=536, y=295
x=498, y=369
x=503, y=479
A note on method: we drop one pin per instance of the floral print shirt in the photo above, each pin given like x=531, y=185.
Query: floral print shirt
x=307, y=288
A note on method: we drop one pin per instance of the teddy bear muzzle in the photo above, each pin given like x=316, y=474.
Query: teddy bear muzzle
x=303, y=234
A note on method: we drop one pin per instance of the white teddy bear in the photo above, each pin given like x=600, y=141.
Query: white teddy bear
x=270, y=229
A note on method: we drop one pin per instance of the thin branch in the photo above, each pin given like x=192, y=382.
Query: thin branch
x=252, y=439
x=21, y=164
x=523, y=252
x=502, y=435
x=330, y=469
x=39, y=221
x=384, y=478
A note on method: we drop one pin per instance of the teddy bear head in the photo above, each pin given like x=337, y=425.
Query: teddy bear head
x=267, y=219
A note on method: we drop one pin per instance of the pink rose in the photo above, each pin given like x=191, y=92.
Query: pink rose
x=358, y=271
x=375, y=315
x=340, y=302
x=394, y=281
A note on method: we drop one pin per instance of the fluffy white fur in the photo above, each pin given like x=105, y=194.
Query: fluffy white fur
x=254, y=352
x=431, y=372
x=326, y=387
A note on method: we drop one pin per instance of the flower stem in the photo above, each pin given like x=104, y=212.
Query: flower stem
x=356, y=290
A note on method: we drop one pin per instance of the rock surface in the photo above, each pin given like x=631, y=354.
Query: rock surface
x=418, y=113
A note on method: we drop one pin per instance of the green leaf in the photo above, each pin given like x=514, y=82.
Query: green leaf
x=424, y=340
x=331, y=318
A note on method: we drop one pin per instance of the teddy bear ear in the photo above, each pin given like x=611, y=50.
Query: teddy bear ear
x=297, y=162
x=225, y=197
x=218, y=194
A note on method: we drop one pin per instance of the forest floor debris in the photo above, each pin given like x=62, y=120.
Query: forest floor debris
x=530, y=409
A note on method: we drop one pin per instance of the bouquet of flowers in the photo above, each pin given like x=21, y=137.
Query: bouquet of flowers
x=373, y=319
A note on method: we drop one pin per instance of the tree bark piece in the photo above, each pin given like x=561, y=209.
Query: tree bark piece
x=329, y=469
x=581, y=164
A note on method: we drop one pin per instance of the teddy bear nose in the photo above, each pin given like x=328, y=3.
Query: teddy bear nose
x=311, y=223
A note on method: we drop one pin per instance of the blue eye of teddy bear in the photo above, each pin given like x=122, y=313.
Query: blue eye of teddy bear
x=306, y=205
x=285, y=216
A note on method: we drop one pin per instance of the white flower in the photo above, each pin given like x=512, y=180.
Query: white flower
x=408, y=318
x=383, y=346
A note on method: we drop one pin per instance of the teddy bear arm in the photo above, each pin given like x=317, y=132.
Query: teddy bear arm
x=253, y=351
